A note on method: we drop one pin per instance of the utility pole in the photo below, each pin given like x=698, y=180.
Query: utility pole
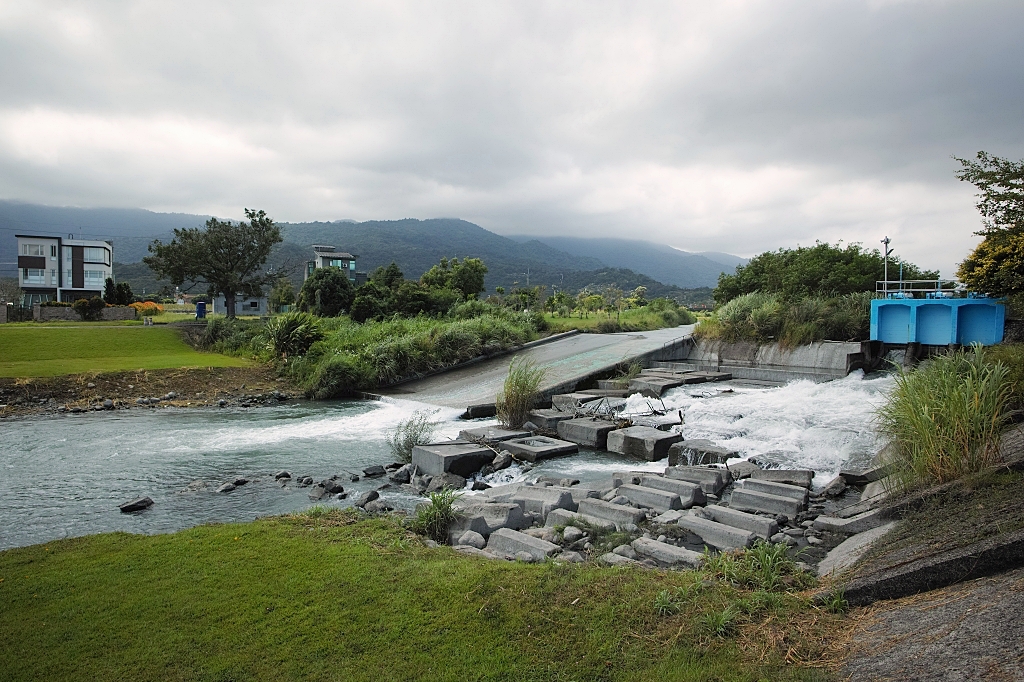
x=885, y=263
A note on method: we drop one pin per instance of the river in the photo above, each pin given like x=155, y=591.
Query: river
x=65, y=476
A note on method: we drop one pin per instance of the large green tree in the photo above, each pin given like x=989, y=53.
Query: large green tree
x=996, y=266
x=227, y=257
x=327, y=292
x=820, y=270
x=466, y=277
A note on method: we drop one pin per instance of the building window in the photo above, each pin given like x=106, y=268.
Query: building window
x=254, y=305
x=32, y=250
x=310, y=267
x=351, y=265
x=34, y=276
x=69, y=278
x=53, y=277
x=53, y=250
x=94, y=278
x=95, y=254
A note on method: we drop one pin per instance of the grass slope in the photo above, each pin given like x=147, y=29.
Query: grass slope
x=42, y=350
x=327, y=597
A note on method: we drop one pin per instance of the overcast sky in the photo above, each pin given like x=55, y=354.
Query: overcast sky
x=730, y=126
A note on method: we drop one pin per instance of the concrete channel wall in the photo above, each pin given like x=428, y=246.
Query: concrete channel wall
x=822, y=361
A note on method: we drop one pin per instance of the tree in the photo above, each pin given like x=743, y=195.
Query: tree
x=124, y=293
x=996, y=266
x=227, y=257
x=327, y=292
x=282, y=294
x=390, y=277
x=819, y=270
x=110, y=292
x=10, y=291
x=466, y=277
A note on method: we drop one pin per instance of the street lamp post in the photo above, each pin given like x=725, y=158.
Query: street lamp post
x=885, y=263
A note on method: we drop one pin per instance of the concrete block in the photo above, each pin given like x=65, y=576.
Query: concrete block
x=506, y=542
x=564, y=517
x=748, y=500
x=485, y=518
x=533, y=448
x=865, y=476
x=461, y=459
x=855, y=524
x=761, y=526
x=578, y=493
x=698, y=451
x=490, y=434
x=480, y=411
x=613, y=392
x=653, y=386
x=541, y=500
x=591, y=433
x=715, y=376
x=548, y=419
x=503, y=493
x=613, y=559
x=875, y=491
x=652, y=498
x=567, y=402
x=690, y=494
x=717, y=535
x=473, y=551
x=612, y=384
x=793, y=492
x=619, y=514
x=798, y=477
x=667, y=554
x=644, y=442
x=671, y=516
x=848, y=552
x=712, y=481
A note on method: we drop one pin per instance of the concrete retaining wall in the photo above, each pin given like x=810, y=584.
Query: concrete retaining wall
x=47, y=313
x=822, y=361
x=118, y=313
x=3, y=313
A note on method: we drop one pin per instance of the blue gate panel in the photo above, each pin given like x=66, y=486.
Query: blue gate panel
x=977, y=324
x=934, y=324
x=894, y=323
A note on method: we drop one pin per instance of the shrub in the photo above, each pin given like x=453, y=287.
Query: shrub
x=416, y=430
x=436, y=517
x=943, y=419
x=89, y=308
x=338, y=376
x=291, y=334
x=147, y=308
x=327, y=292
x=519, y=392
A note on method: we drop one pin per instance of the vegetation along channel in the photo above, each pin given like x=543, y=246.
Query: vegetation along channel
x=418, y=472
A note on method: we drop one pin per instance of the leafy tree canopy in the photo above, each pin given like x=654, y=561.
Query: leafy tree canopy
x=466, y=277
x=227, y=257
x=996, y=266
x=389, y=277
x=327, y=292
x=820, y=270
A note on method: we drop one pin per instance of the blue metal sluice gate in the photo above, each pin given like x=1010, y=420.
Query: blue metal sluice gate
x=931, y=316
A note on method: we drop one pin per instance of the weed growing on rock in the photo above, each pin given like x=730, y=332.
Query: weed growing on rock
x=434, y=518
x=416, y=430
x=519, y=393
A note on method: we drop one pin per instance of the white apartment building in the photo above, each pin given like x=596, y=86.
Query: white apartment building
x=59, y=269
x=326, y=257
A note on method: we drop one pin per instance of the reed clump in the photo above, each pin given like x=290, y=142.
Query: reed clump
x=416, y=430
x=519, y=393
x=943, y=420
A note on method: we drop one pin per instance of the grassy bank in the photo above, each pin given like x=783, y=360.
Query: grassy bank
x=42, y=350
x=325, y=597
x=631, y=320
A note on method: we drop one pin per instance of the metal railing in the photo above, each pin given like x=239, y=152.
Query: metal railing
x=920, y=288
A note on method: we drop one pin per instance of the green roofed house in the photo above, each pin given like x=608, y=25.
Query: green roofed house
x=327, y=257
x=58, y=269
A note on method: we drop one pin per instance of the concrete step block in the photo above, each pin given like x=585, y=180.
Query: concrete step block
x=461, y=459
x=619, y=514
x=860, y=477
x=612, y=384
x=541, y=500
x=606, y=392
x=798, y=477
x=591, y=433
x=499, y=493
x=717, y=535
x=794, y=492
x=506, y=542
x=645, y=442
x=613, y=559
x=490, y=434
x=855, y=524
x=762, y=526
x=667, y=554
x=654, y=386
x=749, y=500
x=713, y=481
x=850, y=550
x=567, y=402
x=564, y=517
x=698, y=451
x=651, y=498
x=533, y=448
x=487, y=517
x=548, y=419
x=690, y=494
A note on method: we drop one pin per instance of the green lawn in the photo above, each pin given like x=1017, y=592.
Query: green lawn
x=326, y=598
x=41, y=350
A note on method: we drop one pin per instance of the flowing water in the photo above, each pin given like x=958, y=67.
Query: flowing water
x=63, y=477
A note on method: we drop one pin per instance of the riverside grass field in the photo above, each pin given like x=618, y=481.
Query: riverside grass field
x=326, y=595
x=54, y=349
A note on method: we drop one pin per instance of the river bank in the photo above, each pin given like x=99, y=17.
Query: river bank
x=249, y=386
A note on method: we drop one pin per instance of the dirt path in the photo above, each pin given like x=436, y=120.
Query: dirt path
x=970, y=631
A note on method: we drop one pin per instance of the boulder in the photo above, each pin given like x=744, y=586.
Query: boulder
x=378, y=506
x=571, y=557
x=697, y=451
x=741, y=470
x=368, y=496
x=446, y=480
x=613, y=559
x=403, y=474
x=461, y=459
x=317, y=492
x=281, y=474
x=644, y=442
x=503, y=460
x=588, y=432
x=136, y=505
x=333, y=486
x=374, y=471
x=473, y=539
x=226, y=488
x=507, y=542
x=571, y=534
x=503, y=493
x=666, y=554
x=626, y=551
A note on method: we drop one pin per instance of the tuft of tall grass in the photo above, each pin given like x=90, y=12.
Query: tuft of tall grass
x=519, y=393
x=434, y=518
x=416, y=430
x=944, y=418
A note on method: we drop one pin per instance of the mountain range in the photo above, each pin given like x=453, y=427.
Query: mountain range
x=415, y=245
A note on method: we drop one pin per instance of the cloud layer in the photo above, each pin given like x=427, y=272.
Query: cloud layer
x=731, y=126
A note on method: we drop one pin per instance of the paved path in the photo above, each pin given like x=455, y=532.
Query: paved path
x=563, y=360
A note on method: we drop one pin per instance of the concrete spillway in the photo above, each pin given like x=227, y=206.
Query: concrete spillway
x=566, y=362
